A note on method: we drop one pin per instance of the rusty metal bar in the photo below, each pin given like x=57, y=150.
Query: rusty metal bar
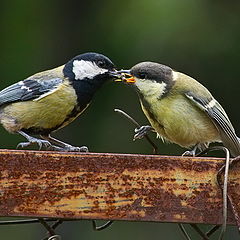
x=114, y=187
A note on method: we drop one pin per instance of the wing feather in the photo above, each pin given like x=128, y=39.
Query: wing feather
x=28, y=89
x=220, y=119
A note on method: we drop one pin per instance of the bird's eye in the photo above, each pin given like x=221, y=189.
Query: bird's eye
x=101, y=63
x=142, y=75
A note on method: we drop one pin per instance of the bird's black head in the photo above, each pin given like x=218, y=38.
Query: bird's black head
x=87, y=73
x=89, y=66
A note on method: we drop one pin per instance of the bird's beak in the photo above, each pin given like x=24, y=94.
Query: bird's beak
x=114, y=73
x=125, y=76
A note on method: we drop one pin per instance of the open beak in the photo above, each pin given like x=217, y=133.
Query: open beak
x=125, y=76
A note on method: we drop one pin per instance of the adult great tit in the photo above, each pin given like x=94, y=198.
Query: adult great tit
x=50, y=100
x=180, y=109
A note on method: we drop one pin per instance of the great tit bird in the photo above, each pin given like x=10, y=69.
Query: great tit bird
x=179, y=108
x=50, y=100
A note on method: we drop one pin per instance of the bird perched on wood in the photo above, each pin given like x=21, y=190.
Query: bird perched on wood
x=179, y=108
x=50, y=100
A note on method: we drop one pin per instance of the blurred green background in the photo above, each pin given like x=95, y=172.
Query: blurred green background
x=200, y=38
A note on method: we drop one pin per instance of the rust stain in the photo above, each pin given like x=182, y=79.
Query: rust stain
x=112, y=186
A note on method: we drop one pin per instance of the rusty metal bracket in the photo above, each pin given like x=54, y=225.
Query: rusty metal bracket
x=234, y=188
x=114, y=187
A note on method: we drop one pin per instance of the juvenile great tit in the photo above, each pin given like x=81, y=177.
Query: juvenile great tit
x=180, y=109
x=50, y=100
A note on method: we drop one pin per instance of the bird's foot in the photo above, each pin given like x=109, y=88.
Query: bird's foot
x=55, y=237
x=31, y=140
x=58, y=145
x=191, y=153
x=141, y=132
x=69, y=148
x=197, y=150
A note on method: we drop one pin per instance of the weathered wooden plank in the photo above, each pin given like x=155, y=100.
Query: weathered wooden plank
x=112, y=186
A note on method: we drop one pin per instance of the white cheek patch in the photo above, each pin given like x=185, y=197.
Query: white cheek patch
x=151, y=88
x=86, y=69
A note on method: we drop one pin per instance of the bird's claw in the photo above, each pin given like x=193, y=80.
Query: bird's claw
x=76, y=149
x=141, y=132
x=69, y=148
x=23, y=144
x=191, y=153
x=55, y=237
x=83, y=149
x=41, y=143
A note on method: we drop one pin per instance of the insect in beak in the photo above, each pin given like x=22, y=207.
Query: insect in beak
x=125, y=76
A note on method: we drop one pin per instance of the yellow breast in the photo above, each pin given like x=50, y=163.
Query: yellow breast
x=45, y=112
x=179, y=121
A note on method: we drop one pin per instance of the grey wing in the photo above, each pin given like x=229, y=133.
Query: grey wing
x=28, y=89
x=220, y=119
